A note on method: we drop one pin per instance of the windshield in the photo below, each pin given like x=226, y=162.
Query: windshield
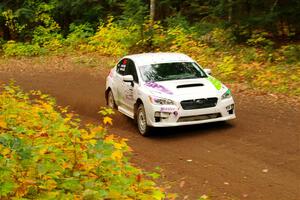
x=171, y=71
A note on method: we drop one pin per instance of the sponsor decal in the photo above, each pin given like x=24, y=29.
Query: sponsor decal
x=158, y=87
x=215, y=82
x=167, y=109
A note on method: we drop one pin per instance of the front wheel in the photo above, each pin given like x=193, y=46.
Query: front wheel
x=110, y=100
x=142, y=121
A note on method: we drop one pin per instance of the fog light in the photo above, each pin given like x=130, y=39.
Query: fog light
x=157, y=114
x=162, y=115
x=230, y=107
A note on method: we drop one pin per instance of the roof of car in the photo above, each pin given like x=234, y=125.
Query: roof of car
x=153, y=58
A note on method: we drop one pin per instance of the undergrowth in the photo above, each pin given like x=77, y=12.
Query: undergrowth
x=46, y=154
x=257, y=62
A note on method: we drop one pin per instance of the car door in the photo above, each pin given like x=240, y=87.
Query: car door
x=118, y=81
x=130, y=89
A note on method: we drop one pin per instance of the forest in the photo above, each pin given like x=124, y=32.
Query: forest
x=236, y=38
x=25, y=20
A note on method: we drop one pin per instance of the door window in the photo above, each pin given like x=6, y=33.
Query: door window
x=131, y=70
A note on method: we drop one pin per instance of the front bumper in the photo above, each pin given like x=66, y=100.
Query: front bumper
x=171, y=115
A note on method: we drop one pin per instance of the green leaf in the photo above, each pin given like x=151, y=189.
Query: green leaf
x=157, y=194
x=71, y=184
x=6, y=188
x=154, y=175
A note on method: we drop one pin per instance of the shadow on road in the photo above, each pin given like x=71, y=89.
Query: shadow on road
x=122, y=122
x=190, y=131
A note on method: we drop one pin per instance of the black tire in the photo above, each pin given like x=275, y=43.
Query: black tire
x=110, y=100
x=141, y=119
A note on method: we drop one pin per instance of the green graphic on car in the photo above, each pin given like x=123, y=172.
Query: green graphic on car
x=215, y=82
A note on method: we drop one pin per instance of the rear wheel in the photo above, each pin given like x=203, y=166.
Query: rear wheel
x=111, y=100
x=142, y=121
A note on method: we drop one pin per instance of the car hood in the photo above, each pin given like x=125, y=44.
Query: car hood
x=187, y=88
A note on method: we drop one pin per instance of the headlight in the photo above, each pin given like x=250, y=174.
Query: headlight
x=161, y=101
x=226, y=95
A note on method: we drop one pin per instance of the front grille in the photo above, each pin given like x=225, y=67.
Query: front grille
x=199, y=117
x=199, y=103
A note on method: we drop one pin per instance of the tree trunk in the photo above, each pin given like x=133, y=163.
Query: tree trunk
x=152, y=10
x=152, y=18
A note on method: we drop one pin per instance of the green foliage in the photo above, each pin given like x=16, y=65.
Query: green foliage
x=112, y=39
x=79, y=34
x=178, y=21
x=250, y=54
x=47, y=35
x=259, y=39
x=12, y=23
x=172, y=38
x=290, y=53
x=44, y=154
x=134, y=12
x=203, y=28
x=106, y=111
x=219, y=38
x=12, y=48
x=227, y=68
x=47, y=38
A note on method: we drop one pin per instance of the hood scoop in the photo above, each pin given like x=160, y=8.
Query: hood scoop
x=190, y=85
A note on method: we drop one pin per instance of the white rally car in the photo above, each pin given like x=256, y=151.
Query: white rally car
x=167, y=89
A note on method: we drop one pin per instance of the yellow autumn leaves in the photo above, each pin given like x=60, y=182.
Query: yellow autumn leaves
x=119, y=146
x=3, y=124
x=107, y=120
x=46, y=154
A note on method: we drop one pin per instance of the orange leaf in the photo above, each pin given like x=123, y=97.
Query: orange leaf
x=3, y=124
x=109, y=138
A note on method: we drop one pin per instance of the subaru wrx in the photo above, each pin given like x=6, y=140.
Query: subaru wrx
x=167, y=89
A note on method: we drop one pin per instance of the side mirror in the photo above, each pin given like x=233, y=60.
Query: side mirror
x=128, y=79
x=207, y=71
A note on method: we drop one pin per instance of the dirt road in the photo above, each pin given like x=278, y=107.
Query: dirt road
x=254, y=157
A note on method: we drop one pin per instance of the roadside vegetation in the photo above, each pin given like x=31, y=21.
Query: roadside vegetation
x=45, y=153
x=258, y=47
